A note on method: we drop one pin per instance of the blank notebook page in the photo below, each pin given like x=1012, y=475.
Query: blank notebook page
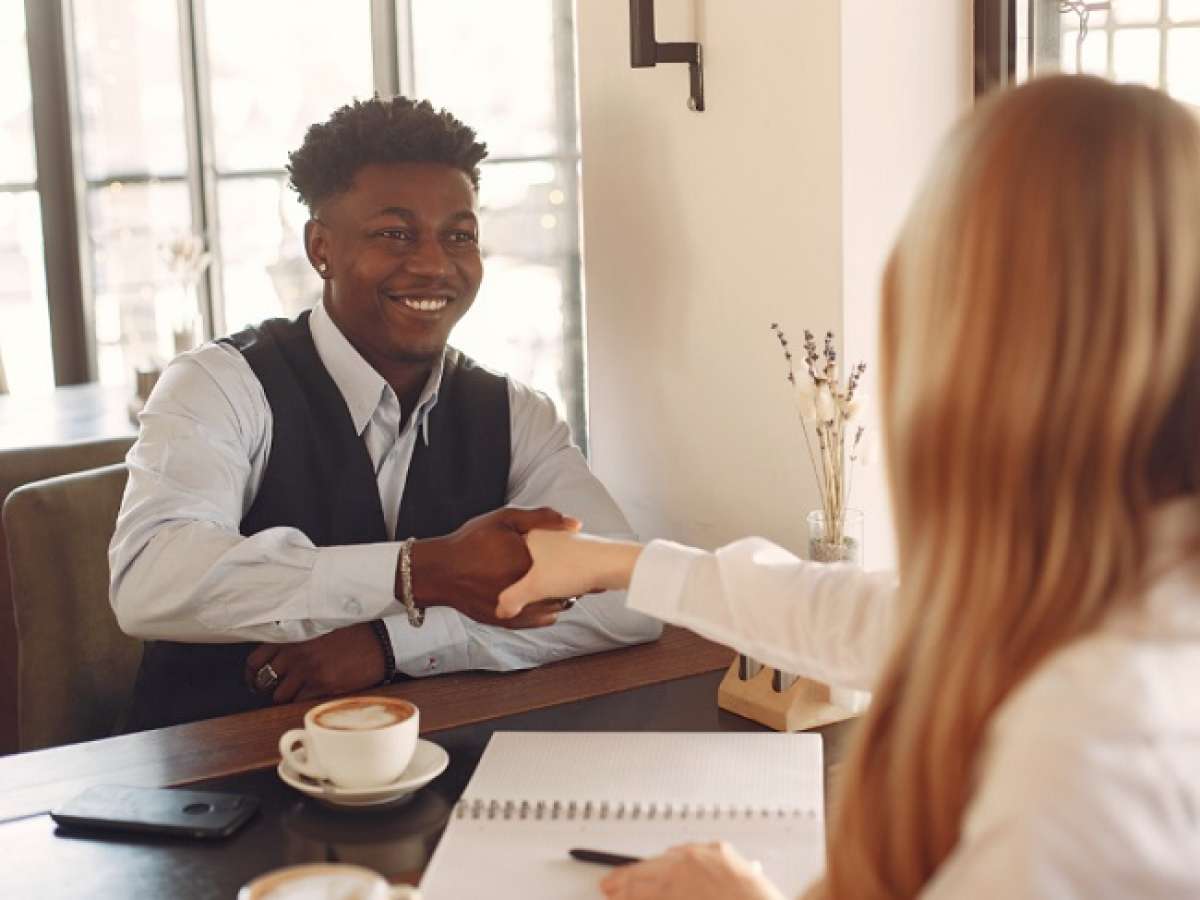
x=535, y=795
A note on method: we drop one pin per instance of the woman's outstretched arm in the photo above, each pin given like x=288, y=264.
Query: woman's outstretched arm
x=832, y=623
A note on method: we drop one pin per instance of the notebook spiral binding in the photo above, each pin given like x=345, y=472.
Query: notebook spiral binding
x=606, y=811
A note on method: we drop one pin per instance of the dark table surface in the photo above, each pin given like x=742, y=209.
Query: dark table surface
x=41, y=861
x=36, y=781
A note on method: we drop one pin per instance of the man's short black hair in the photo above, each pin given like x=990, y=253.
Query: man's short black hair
x=379, y=131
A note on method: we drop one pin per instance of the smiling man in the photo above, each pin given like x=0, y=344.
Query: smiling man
x=319, y=505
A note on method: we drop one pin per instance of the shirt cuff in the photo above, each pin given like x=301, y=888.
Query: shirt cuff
x=659, y=578
x=439, y=645
x=355, y=582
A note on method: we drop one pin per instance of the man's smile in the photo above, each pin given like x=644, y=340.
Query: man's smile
x=420, y=302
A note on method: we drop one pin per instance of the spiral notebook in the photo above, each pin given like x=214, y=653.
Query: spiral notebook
x=535, y=795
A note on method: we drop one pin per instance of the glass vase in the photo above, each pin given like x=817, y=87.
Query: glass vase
x=186, y=324
x=845, y=547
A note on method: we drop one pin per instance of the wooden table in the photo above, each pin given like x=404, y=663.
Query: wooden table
x=667, y=686
x=80, y=412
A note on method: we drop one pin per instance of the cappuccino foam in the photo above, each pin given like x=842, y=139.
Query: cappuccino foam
x=363, y=716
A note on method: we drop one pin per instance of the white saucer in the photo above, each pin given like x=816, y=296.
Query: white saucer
x=428, y=762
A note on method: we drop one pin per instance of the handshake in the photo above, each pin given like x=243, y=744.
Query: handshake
x=518, y=568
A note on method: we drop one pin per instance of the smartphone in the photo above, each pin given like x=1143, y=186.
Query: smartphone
x=172, y=811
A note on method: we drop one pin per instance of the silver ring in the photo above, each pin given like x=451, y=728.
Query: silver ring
x=265, y=678
x=568, y=603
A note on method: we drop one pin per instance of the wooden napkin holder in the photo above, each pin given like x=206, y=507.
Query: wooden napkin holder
x=804, y=704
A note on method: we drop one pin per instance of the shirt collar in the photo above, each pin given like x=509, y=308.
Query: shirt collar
x=364, y=389
x=1170, y=604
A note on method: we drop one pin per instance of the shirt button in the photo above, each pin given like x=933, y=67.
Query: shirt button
x=431, y=664
x=353, y=607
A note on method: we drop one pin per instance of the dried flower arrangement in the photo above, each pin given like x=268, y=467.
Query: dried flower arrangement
x=186, y=257
x=831, y=409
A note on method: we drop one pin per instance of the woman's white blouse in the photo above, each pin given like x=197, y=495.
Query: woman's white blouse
x=1089, y=782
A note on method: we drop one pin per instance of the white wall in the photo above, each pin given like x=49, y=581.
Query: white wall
x=905, y=79
x=700, y=229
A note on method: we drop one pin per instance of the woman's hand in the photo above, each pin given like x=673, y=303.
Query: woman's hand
x=691, y=872
x=565, y=565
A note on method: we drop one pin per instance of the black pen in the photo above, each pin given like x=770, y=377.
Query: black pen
x=604, y=859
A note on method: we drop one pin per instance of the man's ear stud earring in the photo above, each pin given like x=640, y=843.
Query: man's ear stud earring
x=322, y=268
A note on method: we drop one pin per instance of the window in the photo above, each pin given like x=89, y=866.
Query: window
x=262, y=99
x=133, y=143
x=25, y=361
x=1151, y=42
x=520, y=322
x=183, y=114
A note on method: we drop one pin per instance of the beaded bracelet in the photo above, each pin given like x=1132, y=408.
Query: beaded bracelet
x=389, y=656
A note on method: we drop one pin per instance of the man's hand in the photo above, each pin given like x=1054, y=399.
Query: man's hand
x=341, y=662
x=469, y=568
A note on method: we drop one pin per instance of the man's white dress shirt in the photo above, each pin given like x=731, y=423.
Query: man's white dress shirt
x=182, y=571
x=1088, y=785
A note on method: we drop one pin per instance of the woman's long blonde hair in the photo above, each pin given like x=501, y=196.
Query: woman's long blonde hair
x=1040, y=393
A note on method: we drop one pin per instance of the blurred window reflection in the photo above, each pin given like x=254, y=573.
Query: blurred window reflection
x=511, y=77
x=1152, y=42
x=265, y=94
x=134, y=143
x=265, y=270
x=137, y=297
x=25, y=359
x=274, y=68
x=129, y=91
x=499, y=77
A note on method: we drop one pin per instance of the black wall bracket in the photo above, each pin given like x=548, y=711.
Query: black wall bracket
x=645, y=51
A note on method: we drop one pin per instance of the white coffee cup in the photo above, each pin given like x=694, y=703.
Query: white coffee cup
x=355, y=742
x=323, y=881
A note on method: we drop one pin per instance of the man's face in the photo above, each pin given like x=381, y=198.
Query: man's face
x=402, y=250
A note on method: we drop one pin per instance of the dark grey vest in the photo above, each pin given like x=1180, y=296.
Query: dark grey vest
x=319, y=479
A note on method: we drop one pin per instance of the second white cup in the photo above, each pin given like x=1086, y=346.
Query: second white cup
x=324, y=880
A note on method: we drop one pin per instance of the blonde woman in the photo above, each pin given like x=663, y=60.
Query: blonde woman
x=1035, y=730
